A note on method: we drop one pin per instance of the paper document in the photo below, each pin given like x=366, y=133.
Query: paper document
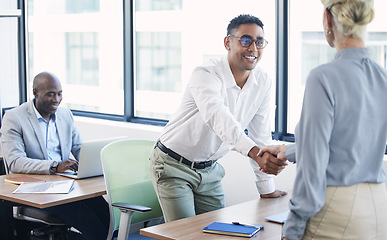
x=46, y=187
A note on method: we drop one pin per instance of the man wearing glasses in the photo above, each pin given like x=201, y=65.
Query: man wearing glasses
x=222, y=100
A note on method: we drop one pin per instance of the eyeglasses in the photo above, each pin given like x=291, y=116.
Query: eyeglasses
x=247, y=40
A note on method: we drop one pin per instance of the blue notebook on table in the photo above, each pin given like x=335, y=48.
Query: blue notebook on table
x=232, y=229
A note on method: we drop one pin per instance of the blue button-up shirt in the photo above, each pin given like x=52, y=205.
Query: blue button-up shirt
x=51, y=136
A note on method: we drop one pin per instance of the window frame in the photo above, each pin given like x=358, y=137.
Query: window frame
x=20, y=14
x=282, y=14
x=281, y=96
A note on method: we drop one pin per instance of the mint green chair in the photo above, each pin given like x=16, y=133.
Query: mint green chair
x=130, y=192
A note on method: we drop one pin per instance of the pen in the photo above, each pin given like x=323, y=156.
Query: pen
x=247, y=225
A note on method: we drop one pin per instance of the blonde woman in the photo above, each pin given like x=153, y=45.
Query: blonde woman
x=339, y=191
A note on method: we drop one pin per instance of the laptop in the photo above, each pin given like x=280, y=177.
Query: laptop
x=89, y=159
x=278, y=218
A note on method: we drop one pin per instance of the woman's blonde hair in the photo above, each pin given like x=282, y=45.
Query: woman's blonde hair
x=351, y=16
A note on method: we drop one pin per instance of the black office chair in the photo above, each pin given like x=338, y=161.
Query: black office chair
x=44, y=225
x=2, y=168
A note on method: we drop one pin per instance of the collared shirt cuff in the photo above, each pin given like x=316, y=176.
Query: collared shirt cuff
x=291, y=152
x=245, y=145
x=265, y=186
x=50, y=171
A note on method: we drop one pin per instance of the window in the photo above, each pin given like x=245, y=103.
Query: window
x=12, y=55
x=308, y=49
x=377, y=46
x=173, y=37
x=158, y=69
x=9, y=61
x=158, y=5
x=133, y=62
x=82, y=62
x=82, y=43
x=140, y=69
x=76, y=6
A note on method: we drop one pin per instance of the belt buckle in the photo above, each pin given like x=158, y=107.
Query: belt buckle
x=211, y=162
x=192, y=164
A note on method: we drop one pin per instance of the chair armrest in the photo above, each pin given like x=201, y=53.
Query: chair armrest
x=131, y=207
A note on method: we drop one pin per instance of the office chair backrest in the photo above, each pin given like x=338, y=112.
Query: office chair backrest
x=3, y=169
x=3, y=164
x=3, y=110
x=127, y=177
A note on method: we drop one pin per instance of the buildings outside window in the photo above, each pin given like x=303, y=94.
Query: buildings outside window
x=84, y=45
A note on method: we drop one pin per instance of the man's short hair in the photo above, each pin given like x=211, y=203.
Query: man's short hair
x=243, y=19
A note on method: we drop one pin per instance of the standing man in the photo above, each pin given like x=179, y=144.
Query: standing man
x=221, y=100
x=37, y=138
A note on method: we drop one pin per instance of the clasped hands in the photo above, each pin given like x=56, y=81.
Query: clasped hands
x=271, y=159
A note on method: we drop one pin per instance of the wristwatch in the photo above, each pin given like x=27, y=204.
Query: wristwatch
x=54, y=166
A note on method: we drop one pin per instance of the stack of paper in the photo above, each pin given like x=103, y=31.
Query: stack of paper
x=232, y=229
x=46, y=187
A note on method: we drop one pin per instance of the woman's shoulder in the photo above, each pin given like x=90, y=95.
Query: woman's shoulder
x=324, y=71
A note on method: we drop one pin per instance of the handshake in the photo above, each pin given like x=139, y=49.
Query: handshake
x=271, y=159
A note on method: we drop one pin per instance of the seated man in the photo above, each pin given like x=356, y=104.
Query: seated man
x=37, y=138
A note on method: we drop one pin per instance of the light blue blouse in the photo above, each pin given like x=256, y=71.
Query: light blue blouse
x=342, y=132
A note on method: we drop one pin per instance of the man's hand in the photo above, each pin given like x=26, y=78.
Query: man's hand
x=270, y=164
x=69, y=164
x=267, y=162
x=275, y=194
x=278, y=150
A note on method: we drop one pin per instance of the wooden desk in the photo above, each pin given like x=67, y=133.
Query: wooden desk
x=83, y=189
x=253, y=211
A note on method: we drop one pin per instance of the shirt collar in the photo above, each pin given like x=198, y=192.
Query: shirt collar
x=229, y=78
x=352, y=53
x=38, y=115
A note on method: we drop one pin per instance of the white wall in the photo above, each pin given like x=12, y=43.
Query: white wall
x=239, y=182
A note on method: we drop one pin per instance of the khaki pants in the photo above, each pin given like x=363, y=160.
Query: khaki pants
x=185, y=192
x=351, y=212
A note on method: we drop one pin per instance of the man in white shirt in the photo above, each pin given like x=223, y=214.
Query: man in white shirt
x=222, y=99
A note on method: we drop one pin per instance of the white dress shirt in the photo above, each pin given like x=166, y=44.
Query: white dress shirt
x=214, y=113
